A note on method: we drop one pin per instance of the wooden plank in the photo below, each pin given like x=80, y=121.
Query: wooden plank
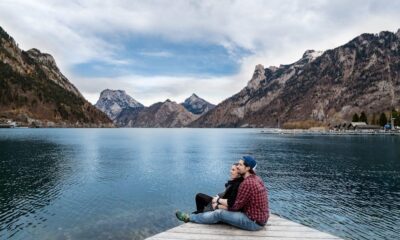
x=274, y=224
x=231, y=238
x=182, y=233
x=169, y=235
x=270, y=229
x=267, y=228
x=263, y=233
x=277, y=229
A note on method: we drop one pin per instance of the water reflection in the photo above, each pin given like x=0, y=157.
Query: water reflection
x=347, y=186
x=31, y=172
x=127, y=183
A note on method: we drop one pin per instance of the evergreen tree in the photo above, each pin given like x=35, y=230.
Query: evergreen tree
x=396, y=117
x=363, y=118
x=355, y=118
x=374, y=122
x=382, y=119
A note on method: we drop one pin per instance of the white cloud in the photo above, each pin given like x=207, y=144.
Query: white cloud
x=157, y=54
x=275, y=32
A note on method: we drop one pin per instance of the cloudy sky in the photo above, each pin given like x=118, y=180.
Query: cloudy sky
x=156, y=50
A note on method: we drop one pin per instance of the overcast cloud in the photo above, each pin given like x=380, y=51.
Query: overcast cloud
x=169, y=49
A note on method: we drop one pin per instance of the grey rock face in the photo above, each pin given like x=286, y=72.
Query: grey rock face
x=49, y=67
x=258, y=77
x=166, y=114
x=27, y=62
x=197, y=105
x=113, y=102
x=324, y=88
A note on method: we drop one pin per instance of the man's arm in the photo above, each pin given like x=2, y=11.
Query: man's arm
x=221, y=201
x=220, y=206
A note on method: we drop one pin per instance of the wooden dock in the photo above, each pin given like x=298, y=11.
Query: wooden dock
x=277, y=228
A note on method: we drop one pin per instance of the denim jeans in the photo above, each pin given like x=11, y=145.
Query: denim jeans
x=237, y=219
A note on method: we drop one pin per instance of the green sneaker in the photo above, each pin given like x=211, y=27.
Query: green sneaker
x=182, y=216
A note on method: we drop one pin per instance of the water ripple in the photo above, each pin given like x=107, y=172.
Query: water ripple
x=126, y=183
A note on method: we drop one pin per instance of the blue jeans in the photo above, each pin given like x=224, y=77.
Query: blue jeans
x=237, y=219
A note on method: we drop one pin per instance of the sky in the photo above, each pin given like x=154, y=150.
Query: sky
x=157, y=50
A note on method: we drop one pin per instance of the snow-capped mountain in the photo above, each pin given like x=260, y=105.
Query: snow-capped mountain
x=113, y=102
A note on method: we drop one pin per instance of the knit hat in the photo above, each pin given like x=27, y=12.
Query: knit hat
x=250, y=162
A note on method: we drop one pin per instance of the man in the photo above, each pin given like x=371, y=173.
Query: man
x=250, y=210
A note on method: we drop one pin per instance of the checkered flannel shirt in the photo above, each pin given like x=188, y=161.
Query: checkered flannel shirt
x=252, y=199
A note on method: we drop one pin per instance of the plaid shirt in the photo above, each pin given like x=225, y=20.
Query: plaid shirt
x=252, y=199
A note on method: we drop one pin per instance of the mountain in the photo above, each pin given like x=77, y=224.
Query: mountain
x=197, y=105
x=162, y=114
x=113, y=102
x=34, y=91
x=320, y=89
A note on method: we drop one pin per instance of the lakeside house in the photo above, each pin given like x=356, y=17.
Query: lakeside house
x=363, y=126
x=357, y=126
x=8, y=124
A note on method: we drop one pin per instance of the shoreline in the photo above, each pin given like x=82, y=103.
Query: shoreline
x=330, y=132
x=274, y=131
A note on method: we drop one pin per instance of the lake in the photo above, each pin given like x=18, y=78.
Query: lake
x=127, y=183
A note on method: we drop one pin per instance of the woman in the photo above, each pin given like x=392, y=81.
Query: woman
x=204, y=202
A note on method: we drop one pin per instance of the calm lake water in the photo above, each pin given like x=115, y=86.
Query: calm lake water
x=127, y=183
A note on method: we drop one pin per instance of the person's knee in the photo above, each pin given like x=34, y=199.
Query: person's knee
x=232, y=218
x=201, y=196
x=198, y=196
x=218, y=212
x=223, y=213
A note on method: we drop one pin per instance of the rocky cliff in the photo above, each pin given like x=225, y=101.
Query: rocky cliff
x=162, y=114
x=322, y=88
x=34, y=91
x=197, y=105
x=113, y=102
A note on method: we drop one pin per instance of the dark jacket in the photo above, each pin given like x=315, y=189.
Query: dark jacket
x=231, y=190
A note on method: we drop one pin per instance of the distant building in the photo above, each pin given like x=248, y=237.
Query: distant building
x=363, y=126
x=357, y=124
x=368, y=127
x=8, y=124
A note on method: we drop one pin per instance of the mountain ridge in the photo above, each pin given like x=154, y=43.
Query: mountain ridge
x=197, y=105
x=328, y=89
x=168, y=114
x=127, y=112
x=34, y=92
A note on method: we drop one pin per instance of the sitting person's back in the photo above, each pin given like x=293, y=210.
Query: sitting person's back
x=250, y=210
x=252, y=199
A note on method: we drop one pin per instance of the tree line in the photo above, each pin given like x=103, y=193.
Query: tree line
x=382, y=120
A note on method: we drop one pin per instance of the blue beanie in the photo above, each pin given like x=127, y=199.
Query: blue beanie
x=250, y=161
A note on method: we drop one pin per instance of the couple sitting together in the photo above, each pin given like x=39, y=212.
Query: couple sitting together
x=244, y=204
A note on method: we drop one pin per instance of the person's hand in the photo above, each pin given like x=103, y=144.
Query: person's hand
x=214, y=200
x=214, y=205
